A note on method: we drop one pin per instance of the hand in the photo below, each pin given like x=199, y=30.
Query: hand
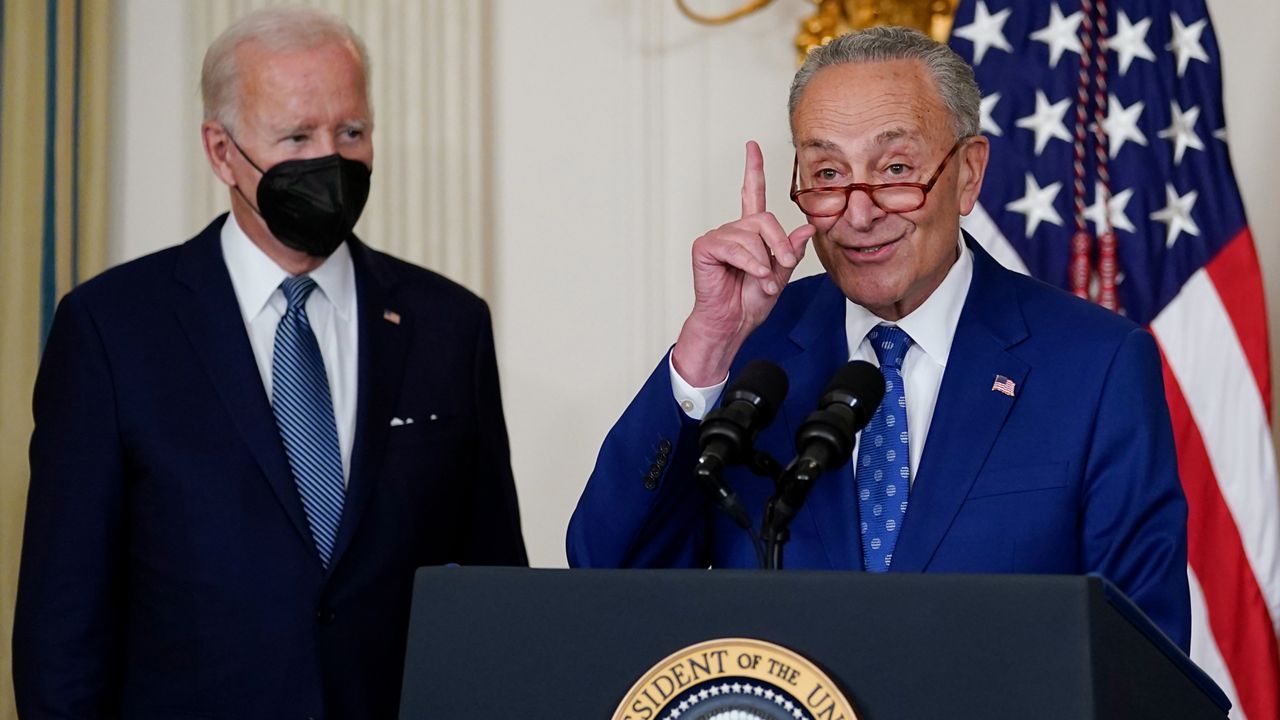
x=739, y=269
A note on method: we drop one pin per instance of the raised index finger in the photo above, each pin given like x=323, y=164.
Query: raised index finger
x=753, y=181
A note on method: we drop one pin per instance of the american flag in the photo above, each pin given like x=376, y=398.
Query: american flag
x=1110, y=177
x=1003, y=384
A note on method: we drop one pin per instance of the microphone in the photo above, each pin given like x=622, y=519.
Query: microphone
x=728, y=432
x=825, y=438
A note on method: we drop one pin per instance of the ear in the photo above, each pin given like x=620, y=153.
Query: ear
x=218, y=149
x=973, y=167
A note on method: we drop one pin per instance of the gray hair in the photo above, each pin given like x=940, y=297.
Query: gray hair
x=277, y=30
x=953, y=76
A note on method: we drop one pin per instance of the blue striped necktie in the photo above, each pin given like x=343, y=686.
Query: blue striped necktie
x=883, y=473
x=304, y=413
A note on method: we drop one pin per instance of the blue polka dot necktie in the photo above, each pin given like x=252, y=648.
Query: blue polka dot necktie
x=304, y=413
x=883, y=473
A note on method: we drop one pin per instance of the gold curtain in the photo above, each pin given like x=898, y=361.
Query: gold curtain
x=55, y=65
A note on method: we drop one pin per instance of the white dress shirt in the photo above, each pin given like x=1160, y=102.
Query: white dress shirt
x=932, y=327
x=331, y=310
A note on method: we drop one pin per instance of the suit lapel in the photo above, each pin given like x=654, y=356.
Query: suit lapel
x=384, y=334
x=820, y=335
x=210, y=316
x=969, y=413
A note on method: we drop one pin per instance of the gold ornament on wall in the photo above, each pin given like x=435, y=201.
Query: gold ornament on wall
x=833, y=18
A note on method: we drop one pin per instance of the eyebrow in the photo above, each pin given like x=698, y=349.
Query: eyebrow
x=887, y=136
x=308, y=127
x=818, y=144
x=287, y=130
x=882, y=138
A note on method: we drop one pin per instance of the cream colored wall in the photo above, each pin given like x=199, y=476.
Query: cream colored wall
x=152, y=82
x=616, y=138
x=1246, y=32
x=620, y=133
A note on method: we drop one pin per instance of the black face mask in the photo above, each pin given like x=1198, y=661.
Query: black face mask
x=311, y=205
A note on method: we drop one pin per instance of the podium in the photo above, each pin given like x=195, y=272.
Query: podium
x=493, y=642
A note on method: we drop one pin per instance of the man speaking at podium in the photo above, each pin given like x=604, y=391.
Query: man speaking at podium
x=1022, y=430
x=245, y=445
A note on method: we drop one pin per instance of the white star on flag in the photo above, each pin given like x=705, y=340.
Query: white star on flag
x=987, y=124
x=1177, y=214
x=1121, y=124
x=1047, y=121
x=1119, y=201
x=1182, y=131
x=1037, y=204
x=1130, y=41
x=985, y=32
x=1186, y=42
x=1061, y=34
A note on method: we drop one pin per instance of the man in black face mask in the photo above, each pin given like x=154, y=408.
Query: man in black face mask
x=246, y=444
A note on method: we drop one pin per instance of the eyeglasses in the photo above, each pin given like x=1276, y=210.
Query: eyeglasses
x=889, y=197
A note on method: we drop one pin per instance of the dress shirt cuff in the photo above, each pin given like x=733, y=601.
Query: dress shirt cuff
x=693, y=401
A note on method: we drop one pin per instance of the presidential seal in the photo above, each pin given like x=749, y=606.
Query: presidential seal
x=735, y=679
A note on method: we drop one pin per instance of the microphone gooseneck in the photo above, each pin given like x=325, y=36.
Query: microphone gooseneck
x=823, y=442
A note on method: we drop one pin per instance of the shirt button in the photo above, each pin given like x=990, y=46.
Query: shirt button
x=325, y=616
x=687, y=405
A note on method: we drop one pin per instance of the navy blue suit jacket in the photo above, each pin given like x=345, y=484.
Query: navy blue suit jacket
x=1075, y=473
x=168, y=570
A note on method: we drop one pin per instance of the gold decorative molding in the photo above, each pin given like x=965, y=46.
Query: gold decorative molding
x=837, y=17
x=833, y=18
x=745, y=10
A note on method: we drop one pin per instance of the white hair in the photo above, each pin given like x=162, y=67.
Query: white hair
x=952, y=75
x=276, y=30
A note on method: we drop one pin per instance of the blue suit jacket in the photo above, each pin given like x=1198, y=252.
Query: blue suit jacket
x=168, y=570
x=1074, y=474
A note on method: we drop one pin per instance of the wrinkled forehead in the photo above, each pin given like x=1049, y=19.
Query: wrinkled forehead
x=322, y=74
x=333, y=56
x=856, y=107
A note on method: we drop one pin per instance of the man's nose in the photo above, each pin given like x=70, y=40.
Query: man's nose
x=325, y=145
x=860, y=212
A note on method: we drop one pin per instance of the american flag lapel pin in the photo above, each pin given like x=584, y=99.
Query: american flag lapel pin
x=1003, y=385
x=391, y=316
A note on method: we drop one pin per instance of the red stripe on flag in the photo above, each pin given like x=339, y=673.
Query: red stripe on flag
x=1238, y=616
x=1238, y=278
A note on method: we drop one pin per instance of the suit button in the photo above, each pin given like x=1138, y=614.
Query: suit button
x=325, y=616
x=651, y=479
x=664, y=447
